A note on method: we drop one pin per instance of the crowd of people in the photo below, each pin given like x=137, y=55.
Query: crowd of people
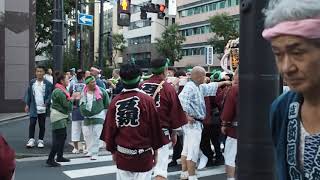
x=139, y=118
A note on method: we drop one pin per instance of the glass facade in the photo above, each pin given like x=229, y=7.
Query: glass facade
x=208, y=7
x=193, y=51
x=140, y=40
x=196, y=30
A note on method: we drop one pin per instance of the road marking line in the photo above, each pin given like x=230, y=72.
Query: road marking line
x=203, y=173
x=86, y=160
x=104, y=170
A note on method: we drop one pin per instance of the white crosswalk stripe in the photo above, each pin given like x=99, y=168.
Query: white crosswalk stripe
x=111, y=169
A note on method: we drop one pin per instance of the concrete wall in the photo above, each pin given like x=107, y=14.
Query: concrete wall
x=17, y=27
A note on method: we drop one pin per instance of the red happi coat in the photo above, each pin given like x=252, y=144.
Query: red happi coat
x=7, y=160
x=230, y=111
x=168, y=105
x=132, y=122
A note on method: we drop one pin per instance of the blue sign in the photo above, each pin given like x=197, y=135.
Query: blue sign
x=85, y=19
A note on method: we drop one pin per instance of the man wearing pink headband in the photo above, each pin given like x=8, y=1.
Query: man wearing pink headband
x=95, y=72
x=293, y=29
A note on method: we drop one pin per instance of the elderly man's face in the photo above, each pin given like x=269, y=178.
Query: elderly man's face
x=199, y=77
x=298, y=60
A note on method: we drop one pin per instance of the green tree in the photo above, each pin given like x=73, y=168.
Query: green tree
x=118, y=46
x=170, y=43
x=44, y=14
x=225, y=28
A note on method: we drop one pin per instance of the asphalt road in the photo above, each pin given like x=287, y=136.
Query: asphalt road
x=31, y=162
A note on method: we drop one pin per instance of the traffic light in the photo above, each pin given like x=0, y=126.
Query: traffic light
x=124, y=12
x=160, y=10
x=152, y=8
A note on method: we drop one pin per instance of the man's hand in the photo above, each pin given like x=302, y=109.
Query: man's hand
x=26, y=109
x=224, y=83
x=76, y=95
x=224, y=130
x=174, y=138
x=114, y=157
x=190, y=119
x=155, y=158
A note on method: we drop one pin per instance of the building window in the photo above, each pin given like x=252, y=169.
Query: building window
x=193, y=51
x=173, y=20
x=166, y=21
x=139, y=24
x=140, y=40
x=196, y=30
x=208, y=7
x=222, y=4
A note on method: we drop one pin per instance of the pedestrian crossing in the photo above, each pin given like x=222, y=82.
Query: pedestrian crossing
x=107, y=168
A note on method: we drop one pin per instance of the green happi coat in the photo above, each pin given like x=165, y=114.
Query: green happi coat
x=97, y=113
x=60, y=110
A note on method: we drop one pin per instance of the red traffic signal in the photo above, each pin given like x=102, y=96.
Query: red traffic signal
x=162, y=8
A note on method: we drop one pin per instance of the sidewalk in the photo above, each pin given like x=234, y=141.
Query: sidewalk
x=11, y=116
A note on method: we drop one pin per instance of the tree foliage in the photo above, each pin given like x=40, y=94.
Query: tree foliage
x=118, y=46
x=170, y=43
x=225, y=28
x=44, y=15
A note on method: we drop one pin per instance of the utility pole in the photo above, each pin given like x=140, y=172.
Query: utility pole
x=58, y=29
x=259, y=86
x=101, y=33
x=81, y=53
x=91, y=37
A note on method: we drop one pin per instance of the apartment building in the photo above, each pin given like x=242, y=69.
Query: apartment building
x=141, y=35
x=193, y=20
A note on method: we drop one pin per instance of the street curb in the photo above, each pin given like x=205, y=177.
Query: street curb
x=13, y=118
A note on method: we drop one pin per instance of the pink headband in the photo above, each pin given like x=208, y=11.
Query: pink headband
x=95, y=69
x=307, y=28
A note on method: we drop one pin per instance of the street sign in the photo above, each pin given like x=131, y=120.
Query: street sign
x=209, y=56
x=85, y=19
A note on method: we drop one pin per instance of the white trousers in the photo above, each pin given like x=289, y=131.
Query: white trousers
x=91, y=136
x=191, y=141
x=128, y=175
x=76, y=129
x=161, y=168
x=230, y=151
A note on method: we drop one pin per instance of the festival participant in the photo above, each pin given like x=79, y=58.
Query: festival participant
x=229, y=123
x=7, y=160
x=95, y=72
x=292, y=27
x=132, y=128
x=193, y=103
x=59, y=116
x=170, y=111
x=77, y=119
x=93, y=104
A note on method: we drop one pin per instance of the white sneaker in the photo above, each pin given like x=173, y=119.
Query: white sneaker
x=94, y=157
x=40, y=144
x=31, y=143
x=184, y=175
x=203, y=161
x=75, y=151
x=193, y=178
